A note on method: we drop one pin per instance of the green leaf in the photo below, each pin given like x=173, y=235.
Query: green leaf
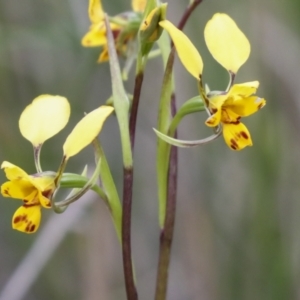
x=184, y=143
x=121, y=101
x=163, y=148
x=110, y=189
x=193, y=105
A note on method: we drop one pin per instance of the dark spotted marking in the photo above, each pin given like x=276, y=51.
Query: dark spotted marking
x=244, y=135
x=214, y=110
x=30, y=227
x=22, y=218
x=6, y=192
x=237, y=122
x=234, y=145
x=261, y=105
x=29, y=205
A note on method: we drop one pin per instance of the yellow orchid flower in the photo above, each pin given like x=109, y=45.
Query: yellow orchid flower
x=34, y=190
x=124, y=27
x=231, y=49
x=228, y=108
x=39, y=121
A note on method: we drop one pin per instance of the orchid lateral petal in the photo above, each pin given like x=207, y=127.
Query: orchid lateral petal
x=27, y=218
x=17, y=189
x=186, y=144
x=12, y=171
x=95, y=37
x=96, y=12
x=245, y=107
x=43, y=118
x=86, y=130
x=138, y=5
x=188, y=54
x=226, y=42
x=236, y=136
x=246, y=89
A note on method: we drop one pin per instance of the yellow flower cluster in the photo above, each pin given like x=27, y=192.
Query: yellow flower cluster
x=42, y=119
x=124, y=28
x=231, y=49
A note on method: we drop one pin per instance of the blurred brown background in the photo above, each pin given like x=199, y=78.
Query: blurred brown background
x=237, y=226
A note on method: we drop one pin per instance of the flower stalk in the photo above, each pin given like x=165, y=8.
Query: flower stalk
x=166, y=236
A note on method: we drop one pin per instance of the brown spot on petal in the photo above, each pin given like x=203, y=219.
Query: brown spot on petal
x=6, y=192
x=22, y=218
x=244, y=135
x=30, y=227
x=29, y=205
x=261, y=105
x=17, y=219
x=237, y=122
x=234, y=145
x=214, y=110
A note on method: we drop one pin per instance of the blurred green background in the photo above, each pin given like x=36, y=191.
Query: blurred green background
x=237, y=224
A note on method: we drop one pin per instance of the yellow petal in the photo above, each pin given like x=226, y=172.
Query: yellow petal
x=243, y=89
x=226, y=42
x=43, y=118
x=104, y=55
x=215, y=107
x=44, y=200
x=86, y=130
x=13, y=172
x=96, y=12
x=27, y=218
x=187, y=52
x=95, y=37
x=18, y=189
x=43, y=183
x=246, y=106
x=138, y=5
x=236, y=136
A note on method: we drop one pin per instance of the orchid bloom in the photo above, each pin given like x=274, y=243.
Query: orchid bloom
x=34, y=190
x=124, y=27
x=231, y=49
x=42, y=119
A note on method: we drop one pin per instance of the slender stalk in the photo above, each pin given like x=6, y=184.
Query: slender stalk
x=121, y=107
x=37, y=152
x=127, y=190
x=135, y=105
x=126, y=235
x=166, y=236
x=188, y=13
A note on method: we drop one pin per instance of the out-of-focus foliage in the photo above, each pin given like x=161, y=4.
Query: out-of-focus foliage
x=237, y=226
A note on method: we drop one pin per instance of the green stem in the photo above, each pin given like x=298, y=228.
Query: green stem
x=166, y=236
